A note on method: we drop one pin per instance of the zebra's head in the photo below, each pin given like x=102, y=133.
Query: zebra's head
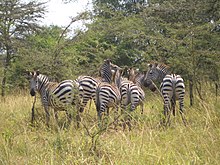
x=156, y=72
x=34, y=82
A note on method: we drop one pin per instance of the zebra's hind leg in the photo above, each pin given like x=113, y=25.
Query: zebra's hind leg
x=99, y=113
x=47, y=115
x=173, y=106
x=142, y=107
x=166, y=119
x=182, y=114
x=69, y=117
x=129, y=122
x=116, y=118
x=123, y=110
x=78, y=119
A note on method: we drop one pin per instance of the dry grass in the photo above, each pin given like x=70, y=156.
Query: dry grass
x=147, y=143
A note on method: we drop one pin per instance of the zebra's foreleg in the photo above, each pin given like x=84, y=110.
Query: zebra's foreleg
x=32, y=110
x=32, y=115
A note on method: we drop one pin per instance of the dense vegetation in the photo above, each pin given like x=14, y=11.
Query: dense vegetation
x=182, y=34
x=185, y=34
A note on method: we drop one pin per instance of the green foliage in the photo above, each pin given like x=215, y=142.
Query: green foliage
x=17, y=20
x=182, y=34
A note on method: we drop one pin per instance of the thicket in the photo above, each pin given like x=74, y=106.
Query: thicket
x=183, y=34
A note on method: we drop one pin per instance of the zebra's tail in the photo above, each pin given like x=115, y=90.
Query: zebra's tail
x=173, y=99
x=129, y=97
x=97, y=102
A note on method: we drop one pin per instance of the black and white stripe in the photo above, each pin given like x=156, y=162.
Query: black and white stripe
x=107, y=96
x=56, y=95
x=88, y=84
x=131, y=92
x=87, y=90
x=105, y=71
x=172, y=87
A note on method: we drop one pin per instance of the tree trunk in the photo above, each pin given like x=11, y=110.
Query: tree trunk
x=198, y=88
x=4, y=82
x=216, y=91
x=6, y=65
x=191, y=91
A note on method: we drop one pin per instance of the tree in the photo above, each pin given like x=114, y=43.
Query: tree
x=17, y=20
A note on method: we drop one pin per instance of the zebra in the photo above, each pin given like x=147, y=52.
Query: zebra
x=107, y=96
x=88, y=84
x=131, y=91
x=105, y=71
x=87, y=90
x=172, y=87
x=59, y=96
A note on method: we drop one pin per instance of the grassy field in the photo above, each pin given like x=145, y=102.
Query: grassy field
x=147, y=143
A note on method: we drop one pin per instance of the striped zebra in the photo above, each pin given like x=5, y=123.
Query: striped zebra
x=59, y=96
x=87, y=90
x=107, y=96
x=131, y=91
x=88, y=84
x=105, y=71
x=172, y=88
x=139, y=78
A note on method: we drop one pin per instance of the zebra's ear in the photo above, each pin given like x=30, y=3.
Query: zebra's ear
x=149, y=65
x=108, y=61
x=37, y=72
x=27, y=74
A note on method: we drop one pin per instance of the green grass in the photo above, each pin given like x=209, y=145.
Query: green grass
x=147, y=143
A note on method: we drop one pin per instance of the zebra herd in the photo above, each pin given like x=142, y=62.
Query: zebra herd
x=115, y=87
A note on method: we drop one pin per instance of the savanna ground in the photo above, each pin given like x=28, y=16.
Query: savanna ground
x=146, y=143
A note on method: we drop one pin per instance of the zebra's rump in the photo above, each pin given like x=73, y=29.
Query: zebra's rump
x=173, y=85
x=87, y=87
x=108, y=94
x=131, y=93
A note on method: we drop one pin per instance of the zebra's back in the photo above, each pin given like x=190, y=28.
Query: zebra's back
x=61, y=95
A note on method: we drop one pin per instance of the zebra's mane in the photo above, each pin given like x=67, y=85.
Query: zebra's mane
x=162, y=67
x=43, y=78
x=139, y=77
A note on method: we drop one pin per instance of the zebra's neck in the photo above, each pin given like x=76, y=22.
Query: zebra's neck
x=42, y=83
x=117, y=79
x=105, y=73
x=139, y=79
x=162, y=70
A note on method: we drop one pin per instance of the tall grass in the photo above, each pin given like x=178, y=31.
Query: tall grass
x=147, y=143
